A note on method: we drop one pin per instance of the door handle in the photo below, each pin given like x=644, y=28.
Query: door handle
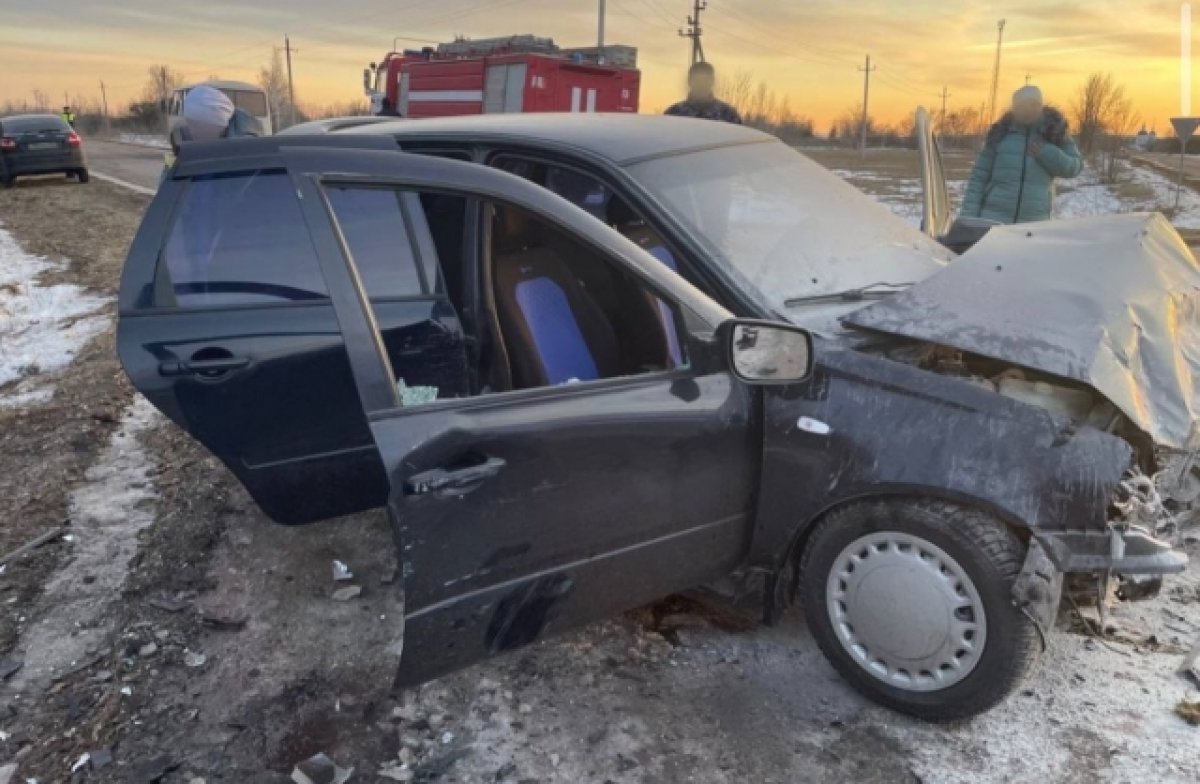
x=439, y=480
x=208, y=368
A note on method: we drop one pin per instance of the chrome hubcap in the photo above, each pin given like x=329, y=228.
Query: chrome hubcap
x=906, y=611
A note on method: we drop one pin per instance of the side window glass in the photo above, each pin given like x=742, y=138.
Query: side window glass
x=239, y=240
x=373, y=222
x=593, y=196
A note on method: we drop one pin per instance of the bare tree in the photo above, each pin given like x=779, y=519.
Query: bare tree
x=273, y=79
x=736, y=90
x=162, y=81
x=1099, y=103
x=848, y=125
x=1113, y=142
x=763, y=108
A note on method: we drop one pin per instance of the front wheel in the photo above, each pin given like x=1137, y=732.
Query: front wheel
x=911, y=602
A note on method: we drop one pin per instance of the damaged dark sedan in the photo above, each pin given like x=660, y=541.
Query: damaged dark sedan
x=588, y=361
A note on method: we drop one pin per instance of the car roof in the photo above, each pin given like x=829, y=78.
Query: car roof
x=226, y=84
x=38, y=116
x=621, y=138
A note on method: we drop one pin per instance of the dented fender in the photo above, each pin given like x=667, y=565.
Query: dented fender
x=874, y=427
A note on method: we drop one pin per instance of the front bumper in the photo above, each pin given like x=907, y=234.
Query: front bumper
x=1121, y=550
x=1129, y=552
x=26, y=163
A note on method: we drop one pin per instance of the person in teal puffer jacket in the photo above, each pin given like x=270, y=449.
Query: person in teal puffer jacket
x=1013, y=178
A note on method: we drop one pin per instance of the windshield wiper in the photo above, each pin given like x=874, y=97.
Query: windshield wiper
x=869, y=291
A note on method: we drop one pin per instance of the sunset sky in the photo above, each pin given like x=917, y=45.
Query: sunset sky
x=809, y=50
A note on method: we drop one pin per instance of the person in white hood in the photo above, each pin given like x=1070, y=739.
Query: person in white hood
x=208, y=114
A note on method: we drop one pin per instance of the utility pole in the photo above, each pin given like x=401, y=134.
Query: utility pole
x=104, y=105
x=287, y=47
x=694, y=31
x=600, y=31
x=866, y=102
x=996, y=72
x=1028, y=77
x=945, y=95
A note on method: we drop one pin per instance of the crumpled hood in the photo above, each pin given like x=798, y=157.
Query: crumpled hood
x=1113, y=302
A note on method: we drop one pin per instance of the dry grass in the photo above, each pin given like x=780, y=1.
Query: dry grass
x=889, y=162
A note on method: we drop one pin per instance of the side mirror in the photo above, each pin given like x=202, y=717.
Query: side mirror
x=769, y=352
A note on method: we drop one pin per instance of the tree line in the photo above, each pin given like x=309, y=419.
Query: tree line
x=147, y=113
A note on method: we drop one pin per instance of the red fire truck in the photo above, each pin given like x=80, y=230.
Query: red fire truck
x=521, y=73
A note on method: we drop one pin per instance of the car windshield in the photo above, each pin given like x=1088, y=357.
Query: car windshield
x=783, y=227
x=32, y=124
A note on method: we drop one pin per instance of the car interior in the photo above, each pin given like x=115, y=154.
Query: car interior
x=568, y=315
x=549, y=310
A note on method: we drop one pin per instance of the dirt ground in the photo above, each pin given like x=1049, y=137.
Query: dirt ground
x=181, y=637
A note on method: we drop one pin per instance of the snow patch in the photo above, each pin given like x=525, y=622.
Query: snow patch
x=107, y=512
x=42, y=328
x=1163, y=199
x=1086, y=196
x=154, y=140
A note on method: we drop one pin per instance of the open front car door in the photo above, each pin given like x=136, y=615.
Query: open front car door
x=600, y=456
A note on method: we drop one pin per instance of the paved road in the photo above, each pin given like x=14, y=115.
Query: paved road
x=131, y=163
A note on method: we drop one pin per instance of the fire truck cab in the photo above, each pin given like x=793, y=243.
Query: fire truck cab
x=521, y=73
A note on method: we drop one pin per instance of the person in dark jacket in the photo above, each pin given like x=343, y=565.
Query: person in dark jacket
x=702, y=101
x=1013, y=178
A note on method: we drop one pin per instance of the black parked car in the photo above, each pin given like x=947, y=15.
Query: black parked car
x=39, y=144
x=588, y=361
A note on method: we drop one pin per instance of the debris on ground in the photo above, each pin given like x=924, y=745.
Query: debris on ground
x=9, y=666
x=1190, y=667
x=320, y=769
x=171, y=605
x=193, y=659
x=397, y=772
x=223, y=618
x=347, y=593
x=35, y=543
x=100, y=759
x=341, y=572
x=1189, y=712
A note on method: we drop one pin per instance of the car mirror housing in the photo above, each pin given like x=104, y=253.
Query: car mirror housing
x=768, y=352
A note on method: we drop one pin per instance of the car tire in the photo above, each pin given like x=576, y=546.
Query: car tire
x=8, y=182
x=910, y=600
x=81, y=175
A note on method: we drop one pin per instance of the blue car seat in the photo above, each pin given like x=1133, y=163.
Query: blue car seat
x=555, y=331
